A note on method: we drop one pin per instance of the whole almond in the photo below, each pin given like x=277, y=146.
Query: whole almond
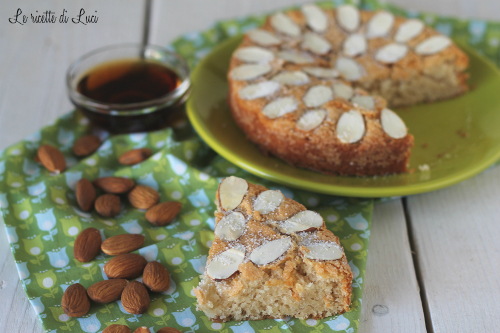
x=116, y=185
x=125, y=266
x=85, y=194
x=142, y=329
x=143, y=197
x=115, y=328
x=135, y=298
x=134, y=156
x=51, y=158
x=86, y=145
x=87, y=245
x=121, y=244
x=163, y=213
x=168, y=330
x=108, y=205
x=107, y=291
x=75, y=302
x=156, y=277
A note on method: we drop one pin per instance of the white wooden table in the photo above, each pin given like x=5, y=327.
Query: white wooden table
x=434, y=258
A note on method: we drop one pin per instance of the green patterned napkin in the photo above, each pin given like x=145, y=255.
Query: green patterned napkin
x=43, y=219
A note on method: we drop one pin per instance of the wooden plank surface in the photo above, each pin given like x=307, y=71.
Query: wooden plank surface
x=456, y=233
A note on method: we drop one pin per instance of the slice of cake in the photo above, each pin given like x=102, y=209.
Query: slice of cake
x=271, y=258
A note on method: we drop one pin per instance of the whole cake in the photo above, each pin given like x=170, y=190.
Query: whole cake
x=312, y=86
x=271, y=258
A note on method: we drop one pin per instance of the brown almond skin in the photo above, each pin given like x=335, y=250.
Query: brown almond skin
x=87, y=245
x=135, y=156
x=51, y=158
x=163, y=213
x=115, y=185
x=108, y=205
x=143, y=197
x=121, y=244
x=86, y=145
x=142, y=329
x=85, y=194
x=75, y=302
x=125, y=266
x=156, y=277
x=115, y=328
x=135, y=298
x=168, y=330
x=107, y=291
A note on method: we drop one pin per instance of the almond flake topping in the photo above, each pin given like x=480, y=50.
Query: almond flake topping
x=348, y=17
x=350, y=127
x=305, y=220
x=363, y=101
x=270, y=251
x=311, y=119
x=295, y=57
x=323, y=251
x=250, y=72
x=231, y=192
x=321, y=72
x=355, y=45
x=258, y=90
x=285, y=25
x=380, y=24
x=317, y=96
x=315, y=17
x=349, y=69
x=391, y=53
x=342, y=90
x=433, y=45
x=292, y=78
x=316, y=44
x=268, y=201
x=225, y=264
x=254, y=54
x=392, y=124
x=263, y=37
x=230, y=227
x=280, y=107
x=409, y=30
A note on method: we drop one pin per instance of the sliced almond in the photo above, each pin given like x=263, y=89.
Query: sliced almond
x=350, y=127
x=392, y=124
x=263, y=37
x=321, y=72
x=409, y=30
x=316, y=44
x=254, y=54
x=284, y=24
x=295, y=57
x=230, y=227
x=323, y=251
x=348, y=17
x=258, y=90
x=268, y=201
x=306, y=220
x=225, y=264
x=250, y=72
x=366, y=102
x=291, y=78
x=231, y=192
x=342, y=90
x=280, y=107
x=379, y=25
x=315, y=17
x=270, y=251
x=433, y=45
x=317, y=96
x=350, y=69
x=391, y=53
x=311, y=119
x=355, y=45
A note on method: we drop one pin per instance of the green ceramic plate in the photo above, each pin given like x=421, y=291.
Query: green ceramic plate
x=457, y=138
